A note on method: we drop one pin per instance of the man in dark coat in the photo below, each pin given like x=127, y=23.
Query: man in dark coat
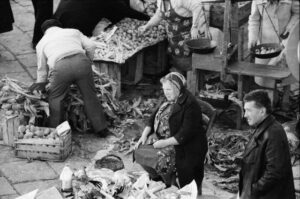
x=85, y=14
x=266, y=171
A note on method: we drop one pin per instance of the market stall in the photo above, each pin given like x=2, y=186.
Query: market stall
x=228, y=57
x=122, y=44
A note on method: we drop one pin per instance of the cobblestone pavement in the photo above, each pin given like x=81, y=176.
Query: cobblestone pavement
x=19, y=176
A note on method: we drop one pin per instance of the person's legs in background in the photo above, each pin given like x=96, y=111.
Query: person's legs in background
x=74, y=69
x=43, y=10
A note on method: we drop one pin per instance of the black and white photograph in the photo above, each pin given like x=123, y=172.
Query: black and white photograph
x=149, y=99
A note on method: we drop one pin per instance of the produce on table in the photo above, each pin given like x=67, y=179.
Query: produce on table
x=120, y=43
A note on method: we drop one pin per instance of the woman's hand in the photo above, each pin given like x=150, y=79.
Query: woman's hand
x=160, y=144
x=195, y=33
x=142, y=141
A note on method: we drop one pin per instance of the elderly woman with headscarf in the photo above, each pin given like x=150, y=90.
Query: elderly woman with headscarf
x=181, y=138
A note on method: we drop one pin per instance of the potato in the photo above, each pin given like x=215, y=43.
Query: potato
x=5, y=88
x=28, y=135
x=32, y=128
x=16, y=107
x=39, y=133
x=28, y=131
x=20, y=135
x=9, y=112
x=12, y=100
x=47, y=131
x=21, y=129
x=6, y=106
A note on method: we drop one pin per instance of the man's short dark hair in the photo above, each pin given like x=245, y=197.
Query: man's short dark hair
x=50, y=23
x=261, y=99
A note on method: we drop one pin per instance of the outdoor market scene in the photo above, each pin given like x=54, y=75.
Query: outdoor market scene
x=149, y=99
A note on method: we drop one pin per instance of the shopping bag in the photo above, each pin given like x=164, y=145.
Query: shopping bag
x=146, y=155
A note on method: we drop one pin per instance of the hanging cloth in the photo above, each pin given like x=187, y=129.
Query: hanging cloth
x=178, y=30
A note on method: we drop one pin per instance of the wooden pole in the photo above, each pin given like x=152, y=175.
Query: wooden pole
x=226, y=38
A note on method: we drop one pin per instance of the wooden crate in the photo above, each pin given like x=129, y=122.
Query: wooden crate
x=8, y=128
x=45, y=149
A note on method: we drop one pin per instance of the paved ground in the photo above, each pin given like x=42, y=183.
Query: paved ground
x=18, y=61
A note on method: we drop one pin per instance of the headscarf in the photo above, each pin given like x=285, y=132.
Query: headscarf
x=175, y=78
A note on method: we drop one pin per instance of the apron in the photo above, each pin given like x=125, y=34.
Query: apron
x=178, y=30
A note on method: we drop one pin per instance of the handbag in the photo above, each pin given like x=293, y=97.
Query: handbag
x=146, y=155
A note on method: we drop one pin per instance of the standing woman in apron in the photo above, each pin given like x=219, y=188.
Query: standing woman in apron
x=271, y=21
x=184, y=20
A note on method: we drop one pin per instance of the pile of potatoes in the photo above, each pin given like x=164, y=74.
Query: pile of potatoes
x=31, y=131
x=128, y=32
x=127, y=40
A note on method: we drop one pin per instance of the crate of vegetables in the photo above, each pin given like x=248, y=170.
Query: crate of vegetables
x=43, y=143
